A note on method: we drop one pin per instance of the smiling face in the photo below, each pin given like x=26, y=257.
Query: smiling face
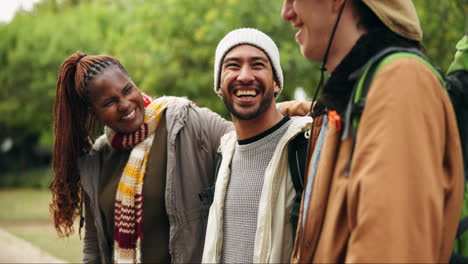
x=314, y=20
x=116, y=101
x=247, y=83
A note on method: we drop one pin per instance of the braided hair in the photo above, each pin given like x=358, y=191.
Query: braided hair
x=74, y=126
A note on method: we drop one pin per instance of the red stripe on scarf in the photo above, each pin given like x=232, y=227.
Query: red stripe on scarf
x=118, y=140
x=124, y=230
x=132, y=138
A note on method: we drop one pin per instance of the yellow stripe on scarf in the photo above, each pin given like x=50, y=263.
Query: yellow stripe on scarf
x=125, y=189
x=131, y=185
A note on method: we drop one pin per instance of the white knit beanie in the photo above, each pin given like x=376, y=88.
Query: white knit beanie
x=252, y=37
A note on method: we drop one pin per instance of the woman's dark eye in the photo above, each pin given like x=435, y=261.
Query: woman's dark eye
x=127, y=90
x=108, y=103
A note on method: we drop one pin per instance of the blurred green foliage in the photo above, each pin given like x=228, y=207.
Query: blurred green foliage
x=167, y=47
x=443, y=23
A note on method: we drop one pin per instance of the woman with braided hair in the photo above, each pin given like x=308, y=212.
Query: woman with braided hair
x=140, y=181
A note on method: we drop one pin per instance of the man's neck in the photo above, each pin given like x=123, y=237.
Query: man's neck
x=348, y=33
x=249, y=128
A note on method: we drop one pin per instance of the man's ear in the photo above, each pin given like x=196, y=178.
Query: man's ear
x=276, y=88
x=337, y=5
x=219, y=92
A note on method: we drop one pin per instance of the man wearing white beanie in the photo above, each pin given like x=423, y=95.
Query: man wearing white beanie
x=249, y=219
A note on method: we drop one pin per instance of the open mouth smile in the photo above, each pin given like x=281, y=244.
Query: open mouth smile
x=129, y=115
x=246, y=93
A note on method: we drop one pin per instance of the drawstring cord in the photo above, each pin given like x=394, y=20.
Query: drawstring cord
x=320, y=84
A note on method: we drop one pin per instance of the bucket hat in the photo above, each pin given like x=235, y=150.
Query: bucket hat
x=399, y=16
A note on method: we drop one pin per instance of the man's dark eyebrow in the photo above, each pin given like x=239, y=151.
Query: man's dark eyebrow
x=250, y=59
x=260, y=58
x=231, y=59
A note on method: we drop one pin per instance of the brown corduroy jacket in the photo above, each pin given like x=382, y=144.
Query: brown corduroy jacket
x=402, y=200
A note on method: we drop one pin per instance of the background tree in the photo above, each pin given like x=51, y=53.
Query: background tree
x=166, y=45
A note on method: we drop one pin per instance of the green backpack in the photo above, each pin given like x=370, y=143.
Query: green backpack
x=456, y=84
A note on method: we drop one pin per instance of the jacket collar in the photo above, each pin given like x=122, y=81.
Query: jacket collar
x=299, y=124
x=337, y=90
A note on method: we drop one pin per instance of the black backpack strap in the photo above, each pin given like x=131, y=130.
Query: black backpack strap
x=297, y=155
x=207, y=195
x=457, y=88
x=458, y=259
x=297, y=152
x=462, y=227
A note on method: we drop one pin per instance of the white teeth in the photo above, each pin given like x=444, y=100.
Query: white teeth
x=246, y=93
x=130, y=115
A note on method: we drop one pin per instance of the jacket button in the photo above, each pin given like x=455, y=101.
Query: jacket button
x=307, y=245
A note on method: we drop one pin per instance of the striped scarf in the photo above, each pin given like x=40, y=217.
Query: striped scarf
x=128, y=208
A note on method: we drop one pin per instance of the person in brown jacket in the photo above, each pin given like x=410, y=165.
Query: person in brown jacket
x=400, y=200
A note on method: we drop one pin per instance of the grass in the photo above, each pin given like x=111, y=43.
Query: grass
x=37, y=178
x=25, y=214
x=45, y=238
x=24, y=205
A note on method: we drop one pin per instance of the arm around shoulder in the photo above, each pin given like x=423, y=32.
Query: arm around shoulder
x=294, y=108
x=214, y=125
